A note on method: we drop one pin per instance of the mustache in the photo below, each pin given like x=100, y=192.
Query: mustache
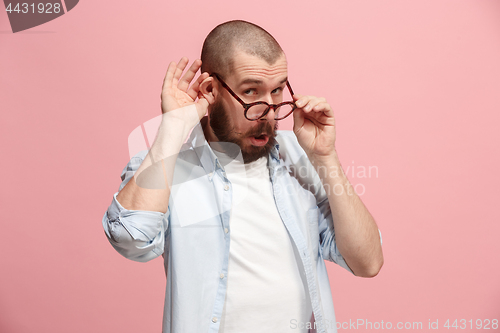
x=263, y=128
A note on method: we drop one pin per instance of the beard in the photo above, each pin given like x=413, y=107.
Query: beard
x=224, y=131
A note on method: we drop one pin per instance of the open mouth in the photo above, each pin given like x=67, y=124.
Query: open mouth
x=259, y=140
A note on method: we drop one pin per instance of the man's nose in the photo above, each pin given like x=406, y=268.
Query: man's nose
x=269, y=115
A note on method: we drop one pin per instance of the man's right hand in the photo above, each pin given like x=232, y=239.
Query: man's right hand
x=149, y=189
x=176, y=92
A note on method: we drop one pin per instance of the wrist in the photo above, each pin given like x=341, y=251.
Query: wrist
x=328, y=166
x=180, y=120
x=173, y=131
x=331, y=159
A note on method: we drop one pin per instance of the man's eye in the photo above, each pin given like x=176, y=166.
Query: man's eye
x=277, y=90
x=249, y=92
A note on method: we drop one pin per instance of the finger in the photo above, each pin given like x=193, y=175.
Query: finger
x=189, y=75
x=325, y=112
x=322, y=107
x=311, y=104
x=167, y=81
x=202, y=102
x=308, y=103
x=195, y=87
x=298, y=120
x=178, y=71
x=303, y=101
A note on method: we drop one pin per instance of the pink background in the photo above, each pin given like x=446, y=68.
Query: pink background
x=416, y=90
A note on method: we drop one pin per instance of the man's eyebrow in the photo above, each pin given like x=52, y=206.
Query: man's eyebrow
x=254, y=81
x=258, y=82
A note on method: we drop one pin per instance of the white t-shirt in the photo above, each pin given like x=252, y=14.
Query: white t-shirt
x=266, y=289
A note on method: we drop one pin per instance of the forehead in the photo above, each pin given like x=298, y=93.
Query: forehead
x=246, y=66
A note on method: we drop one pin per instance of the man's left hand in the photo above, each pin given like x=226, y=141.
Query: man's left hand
x=314, y=126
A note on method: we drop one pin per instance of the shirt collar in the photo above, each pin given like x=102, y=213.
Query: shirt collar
x=198, y=142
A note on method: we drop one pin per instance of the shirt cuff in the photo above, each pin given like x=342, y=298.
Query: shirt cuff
x=141, y=225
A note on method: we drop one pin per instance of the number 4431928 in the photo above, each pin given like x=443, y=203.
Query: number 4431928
x=41, y=8
x=485, y=324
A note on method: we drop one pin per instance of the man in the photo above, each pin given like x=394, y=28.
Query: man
x=247, y=219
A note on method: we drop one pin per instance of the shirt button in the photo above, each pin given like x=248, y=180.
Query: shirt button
x=226, y=187
x=226, y=230
x=210, y=174
x=221, y=275
x=214, y=319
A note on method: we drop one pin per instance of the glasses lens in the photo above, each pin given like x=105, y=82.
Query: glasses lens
x=256, y=111
x=283, y=111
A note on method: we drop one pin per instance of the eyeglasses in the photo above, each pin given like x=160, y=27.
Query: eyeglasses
x=258, y=110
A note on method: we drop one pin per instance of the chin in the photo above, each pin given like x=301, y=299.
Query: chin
x=253, y=153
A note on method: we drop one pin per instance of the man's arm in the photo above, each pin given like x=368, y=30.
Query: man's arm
x=356, y=232
x=135, y=222
x=149, y=189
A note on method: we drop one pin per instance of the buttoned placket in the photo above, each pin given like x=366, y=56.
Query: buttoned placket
x=277, y=169
x=223, y=190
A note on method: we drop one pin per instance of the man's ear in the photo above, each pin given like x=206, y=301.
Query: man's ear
x=208, y=88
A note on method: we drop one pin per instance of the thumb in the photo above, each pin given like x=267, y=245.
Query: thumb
x=202, y=105
x=298, y=120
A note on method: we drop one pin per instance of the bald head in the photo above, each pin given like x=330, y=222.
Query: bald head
x=223, y=42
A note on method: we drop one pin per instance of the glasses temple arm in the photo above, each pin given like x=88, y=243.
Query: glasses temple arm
x=290, y=88
x=245, y=105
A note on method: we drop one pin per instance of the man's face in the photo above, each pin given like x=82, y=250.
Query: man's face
x=252, y=79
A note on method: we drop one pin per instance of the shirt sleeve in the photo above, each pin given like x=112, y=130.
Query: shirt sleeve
x=327, y=241
x=302, y=169
x=137, y=235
